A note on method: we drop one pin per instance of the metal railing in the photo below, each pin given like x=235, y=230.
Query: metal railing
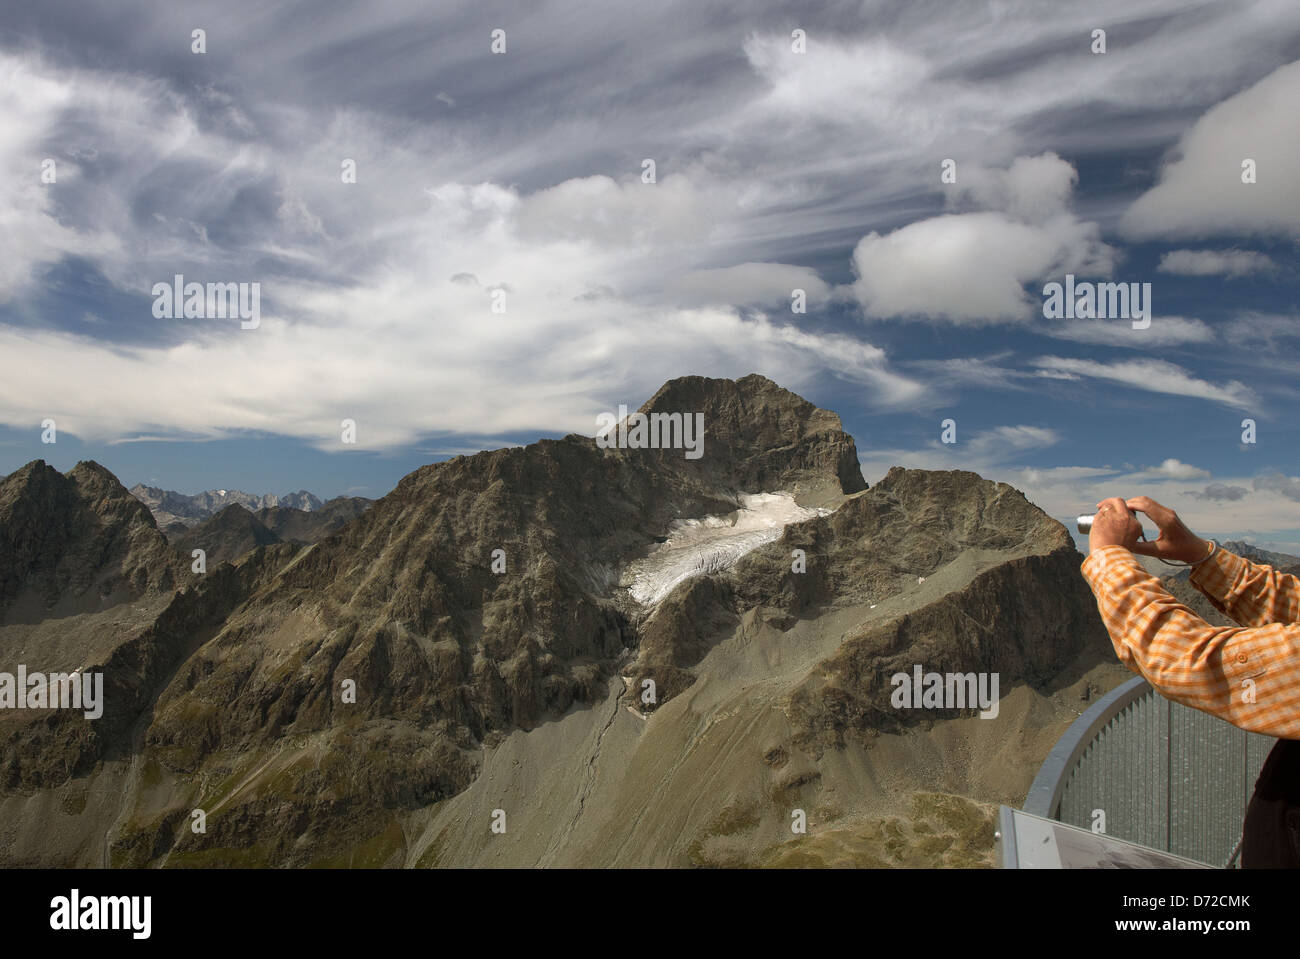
x=1153, y=772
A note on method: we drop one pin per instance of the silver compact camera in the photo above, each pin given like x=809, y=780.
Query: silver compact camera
x=1084, y=523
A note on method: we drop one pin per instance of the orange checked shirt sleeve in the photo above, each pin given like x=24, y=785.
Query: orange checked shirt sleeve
x=1248, y=674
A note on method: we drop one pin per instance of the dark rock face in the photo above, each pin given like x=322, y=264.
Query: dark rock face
x=306, y=526
x=39, y=750
x=227, y=536
x=233, y=532
x=760, y=436
x=63, y=537
x=1024, y=620
x=78, y=551
x=333, y=685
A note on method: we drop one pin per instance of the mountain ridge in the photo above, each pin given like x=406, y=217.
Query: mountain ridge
x=169, y=507
x=478, y=610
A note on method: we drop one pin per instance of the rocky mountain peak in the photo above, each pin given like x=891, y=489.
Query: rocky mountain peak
x=970, y=509
x=759, y=436
x=62, y=535
x=228, y=535
x=99, y=488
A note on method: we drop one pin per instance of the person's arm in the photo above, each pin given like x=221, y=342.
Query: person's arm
x=1248, y=593
x=1248, y=676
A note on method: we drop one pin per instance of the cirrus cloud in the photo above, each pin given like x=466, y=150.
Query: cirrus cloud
x=1215, y=262
x=1156, y=376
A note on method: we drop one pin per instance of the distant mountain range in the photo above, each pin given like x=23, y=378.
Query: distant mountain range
x=1280, y=561
x=235, y=530
x=1178, y=580
x=226, y=524
x=170, y=507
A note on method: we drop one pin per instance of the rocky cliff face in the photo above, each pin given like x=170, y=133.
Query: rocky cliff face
x=306, y=526
x=759, y=437
x=234, y=532
x=312, y=700
x=225, y=537
x=84, y=576
x=78, y=540
x=1024, y=618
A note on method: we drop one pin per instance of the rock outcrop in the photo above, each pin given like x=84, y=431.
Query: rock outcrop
x=76, y=541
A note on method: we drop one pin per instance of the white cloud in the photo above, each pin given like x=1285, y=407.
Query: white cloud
x=406, y=343
x=1006, y=441
x=32, y=234
x=973, y=267
x=1033, y=189
x=1052, y=476
x=844, y=82
x=301, y=380
x=1221, y=491
x=1288, y=486
x=602, y=270
x=749, y=284
x=1163, y=331
x=984, y=372
x=983, y=451
x=1215, y=262
x=601, y=210
x=1172, y=469
x=1156, y=376
x=405, y=354
x=1268, y=329
x=1201, y=193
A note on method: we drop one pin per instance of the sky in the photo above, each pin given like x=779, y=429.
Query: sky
x=502, y=267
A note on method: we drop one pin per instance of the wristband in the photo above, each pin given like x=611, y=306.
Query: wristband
x=1214, y=545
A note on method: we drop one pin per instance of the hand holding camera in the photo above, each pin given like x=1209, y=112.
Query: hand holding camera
x=1116, y=524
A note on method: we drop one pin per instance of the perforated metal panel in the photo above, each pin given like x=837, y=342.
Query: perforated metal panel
x=1161, y=774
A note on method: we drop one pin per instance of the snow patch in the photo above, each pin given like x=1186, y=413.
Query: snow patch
x=698, y=546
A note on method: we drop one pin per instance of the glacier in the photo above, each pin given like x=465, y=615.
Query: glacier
x=712, y=543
